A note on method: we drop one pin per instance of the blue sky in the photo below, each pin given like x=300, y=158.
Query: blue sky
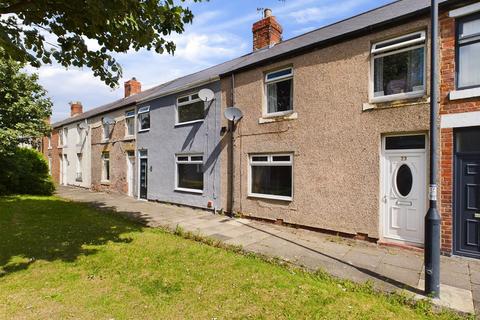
x=221, y=31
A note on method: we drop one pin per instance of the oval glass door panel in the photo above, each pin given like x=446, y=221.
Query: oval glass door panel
x=404, y=180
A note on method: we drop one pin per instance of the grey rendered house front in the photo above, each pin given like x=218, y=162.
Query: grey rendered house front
x=179, y=154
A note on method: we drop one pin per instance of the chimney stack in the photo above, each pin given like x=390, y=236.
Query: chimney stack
x=266, y=32
x=76, y=108
x=132, y=87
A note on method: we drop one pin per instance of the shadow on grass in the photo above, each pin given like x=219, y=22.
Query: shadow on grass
x=36, y=228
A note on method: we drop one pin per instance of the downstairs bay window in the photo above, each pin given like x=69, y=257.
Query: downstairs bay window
x=398, y=68
x=271, y=176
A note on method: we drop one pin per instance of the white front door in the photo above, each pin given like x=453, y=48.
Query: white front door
x=130, y=166
x=404, y=189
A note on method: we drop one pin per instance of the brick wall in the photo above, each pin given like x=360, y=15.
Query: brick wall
x=54, y=152
x=447, y=84
x=117, y=148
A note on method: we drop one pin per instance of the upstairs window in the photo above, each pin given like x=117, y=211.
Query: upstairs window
x=129, y=123
x=79, y=134
x=399, y=67
x=190, y=109
x=105, y=131
x=271, y=176
x=190, y=173
x=468, y=52
x=65, y=137
x=143, y=118
x=279, y=91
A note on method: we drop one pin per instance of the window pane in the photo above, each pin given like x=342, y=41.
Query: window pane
x=279, y=96
x=469, y=65
x=260, y=158
x=404, y=180
x=272, y=180
x=399, y=40
x=273, y=75
x=405, y=142
x=281, y=158
x=144, y=120
x=184, y=99
x=399, y=73
x=190, y=176
x=191, y=112
x=197, y=158
x=182, y=158
x=468, y=140
x=130, y=126
x=469, y=28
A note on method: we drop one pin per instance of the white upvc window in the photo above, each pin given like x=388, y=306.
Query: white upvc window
x=49, y=165
x=271, y=176
x=190, y=109
x=278, y=92
x=468, y=52
x=130, y=123
x=79, y=134
x=79, y=170
x=65, y=137
x=189, y=173
x=143, y=118
x=398, y=68
x=49, y=139
x=105, y=167
x=105, y=131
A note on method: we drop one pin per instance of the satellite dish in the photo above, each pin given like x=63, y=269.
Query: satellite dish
x=233, y=114
x=206, y=95
x=82, y=125
x=108, y=120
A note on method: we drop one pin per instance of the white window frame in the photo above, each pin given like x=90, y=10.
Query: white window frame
x=105, y=157
x=49, y=139
x=267, y=81
x=50, y=165
x=269, y=162
x=130, y=114
x=394, y=49
x=185, y=103
x=143, y=110
x=79, y=134
x=79, y=169
x=65, y=137
x=105, y=131
x=189, y=161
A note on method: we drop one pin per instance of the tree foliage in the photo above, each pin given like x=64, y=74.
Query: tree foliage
x=24, y=107
x=25, y=171
x=42, y=31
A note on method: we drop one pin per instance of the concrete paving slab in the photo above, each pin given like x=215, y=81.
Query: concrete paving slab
x=452, y=297
x=399, y=275
x=405, y=261
x=360, y=258
x=248, y=239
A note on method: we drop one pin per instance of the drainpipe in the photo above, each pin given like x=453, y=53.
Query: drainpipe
x=432, y=219
x=231, y=126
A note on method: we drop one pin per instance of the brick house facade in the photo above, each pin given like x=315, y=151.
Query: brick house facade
x=454, y=109
x=52, y=153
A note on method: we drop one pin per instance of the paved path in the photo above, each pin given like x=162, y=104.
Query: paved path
x=389, y=268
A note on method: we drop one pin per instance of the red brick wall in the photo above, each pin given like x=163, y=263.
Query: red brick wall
x=55, y=153
x=447, y=84
x=266, y=32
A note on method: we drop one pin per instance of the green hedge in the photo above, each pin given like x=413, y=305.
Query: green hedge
x=25, y=172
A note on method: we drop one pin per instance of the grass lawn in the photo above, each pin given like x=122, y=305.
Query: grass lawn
x=62, y=260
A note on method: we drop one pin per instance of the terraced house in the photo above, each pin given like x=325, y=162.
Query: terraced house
x=334, y=135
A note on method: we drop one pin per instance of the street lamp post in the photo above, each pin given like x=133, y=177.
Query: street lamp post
x=432, y=219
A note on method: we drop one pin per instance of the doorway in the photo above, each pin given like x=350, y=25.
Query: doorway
x=467, y=192
x=130, y=175
x=404, y=183
x=143, y=179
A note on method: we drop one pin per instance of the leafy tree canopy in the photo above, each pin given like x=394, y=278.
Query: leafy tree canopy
x=24, y=107
x=42, y=31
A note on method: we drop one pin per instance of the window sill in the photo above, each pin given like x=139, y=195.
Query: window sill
x=291, y=115
x=188, y=122
x=395, y=104
x=397, y=97
x=464, y=94
x=143, y=130
x=105, y=182
x=189, y=190
x=270, y=197
x=128, y=138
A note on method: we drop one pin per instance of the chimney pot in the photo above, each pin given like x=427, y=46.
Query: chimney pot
x=266, y=32
x=132, y=87
x=76, y=108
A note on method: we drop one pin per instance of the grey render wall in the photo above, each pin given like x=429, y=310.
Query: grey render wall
x=164, y=141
